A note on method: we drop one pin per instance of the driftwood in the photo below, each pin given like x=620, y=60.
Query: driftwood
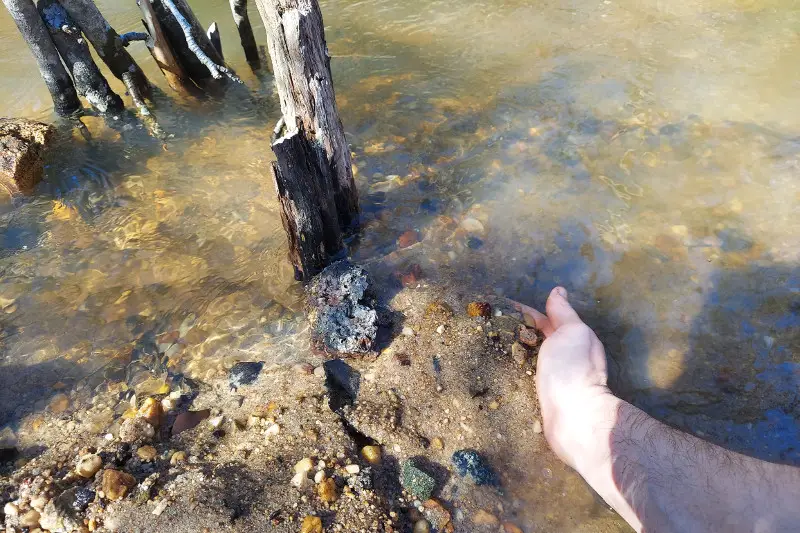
x=162, y=52
x=107, y=43
x=242, y=20
x=296, y=40
x=308, y=211
x=190, y=44
x=88, y=80
x=35, y=33
x=216, y=41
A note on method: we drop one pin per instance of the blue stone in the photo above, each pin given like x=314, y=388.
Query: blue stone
x=471, y=464
x=244, y=373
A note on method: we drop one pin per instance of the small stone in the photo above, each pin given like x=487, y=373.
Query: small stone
x=437, y=516
x=311, y=524
x=59, y=403
x=303, y=466
x=146, y=453
x=494, y=405
x=437, y=443
x=371, y=454
x=89, y=465
x=473, y=225
x=39, y=502
x=440, y=329
x=528, y=336
x=151, y=411
x=272, y=430
x=438, y=310
x=485, y=518
x=537, y=426
x=217, y=421
x=417, y=482
x=11, y=509
x=519, y=353
x=30, y=519
x=327, y=491
x=177, y=457
x=408, y=332
x=407, y=239
x=422, y=526
x=469, y=463
x=116, y=484
x=244, y=373
x=136, y=430
x=479, y=309
x=189, y=420
x=300, y=480
x=304, y=369
x=508, y=527
x=352, y=469
x=319, y=477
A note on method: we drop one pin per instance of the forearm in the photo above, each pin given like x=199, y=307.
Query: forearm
x=662, y=480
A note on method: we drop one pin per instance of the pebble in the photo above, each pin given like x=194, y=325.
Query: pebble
x=352, y=469
x=470, y=463
x=151, y=411
x=146, y=453
x=311, y=524
x=437, y=443
x=11, y=509
x=327, y=491
x=528, y=336
x=304, y=369
x=244, y=373
x=508, y=527
x=89, y=465
x=408, y=332
x=116, y=484
x=407, y=239
x=189, y=420
x=216, y=421
x=440, y=329
x=300, y=480
x=371, y=454
x=537, y=426
x=30, y=519
x=272, y=430
x=135, y=429
x=416, y=481
x=177, y=457
x=472, y=225
x=422, y=526
x=303, y=466
x=519, y=353
x=319, y=477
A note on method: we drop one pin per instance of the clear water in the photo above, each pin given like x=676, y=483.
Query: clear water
x=643, y=154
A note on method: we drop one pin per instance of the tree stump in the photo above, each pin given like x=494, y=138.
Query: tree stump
x=35, y=33
x=301, y=64
x=89, y=82
x=108, y=45
x=242, y=20
x=22, y=143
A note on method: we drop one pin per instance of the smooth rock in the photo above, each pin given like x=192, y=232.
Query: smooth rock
x=244, y=373
x=177, y=457
x=537, y=426
x=116, y=484
x=189, y=420
x=508, y=527
x=408, y=332
x=352, y=469
x=89, y=465
x=485, y=518
x=303, y=466
x=473, y=225
x=30, y=519
x=422, y=526
x=151, y=411
x=372, y=454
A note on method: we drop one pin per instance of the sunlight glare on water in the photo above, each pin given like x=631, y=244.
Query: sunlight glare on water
x=643, y=154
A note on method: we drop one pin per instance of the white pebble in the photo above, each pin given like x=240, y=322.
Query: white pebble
x=304, y=465
x=162, y=505
x=217, y=421
x=440, y=329
x=274, y=429
x=408, y=332
x=319, y=477
x=537, y=426
x=11, y=509
x=300, y=480
x=352, y=469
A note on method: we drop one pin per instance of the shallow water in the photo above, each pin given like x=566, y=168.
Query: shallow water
x=643, y=154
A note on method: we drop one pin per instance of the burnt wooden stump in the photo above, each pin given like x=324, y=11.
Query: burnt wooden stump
x=22, y=144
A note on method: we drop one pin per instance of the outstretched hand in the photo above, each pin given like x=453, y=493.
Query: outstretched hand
x=571, y=375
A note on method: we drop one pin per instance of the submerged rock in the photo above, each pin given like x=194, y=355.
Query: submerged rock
x=22, y=143
x=343, y=318
x=470, y=463
x=244, y=373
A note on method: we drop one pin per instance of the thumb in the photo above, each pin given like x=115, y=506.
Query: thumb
x=559, y=310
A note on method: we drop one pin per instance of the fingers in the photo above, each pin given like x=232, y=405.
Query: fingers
x=534, y=318
x=559, y=311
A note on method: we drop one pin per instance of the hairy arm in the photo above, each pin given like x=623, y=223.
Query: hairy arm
x=659, y=479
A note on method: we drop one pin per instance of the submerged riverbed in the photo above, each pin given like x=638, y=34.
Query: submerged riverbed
x=643, y=154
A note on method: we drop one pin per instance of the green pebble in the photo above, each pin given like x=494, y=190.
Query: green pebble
x=417, y=482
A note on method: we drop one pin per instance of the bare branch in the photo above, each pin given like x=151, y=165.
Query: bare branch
x=128, y=38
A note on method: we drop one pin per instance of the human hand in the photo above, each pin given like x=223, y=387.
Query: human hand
x=571, y=377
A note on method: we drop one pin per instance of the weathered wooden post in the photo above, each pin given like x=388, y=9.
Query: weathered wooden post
x=88, y=80
x=108, y=45
x=296, y=41
x=34, y=31
x=162, y=52
x=216, y=40
x=242, y=20
x=313, y=172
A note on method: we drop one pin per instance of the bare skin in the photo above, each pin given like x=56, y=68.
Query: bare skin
x=657, y=478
